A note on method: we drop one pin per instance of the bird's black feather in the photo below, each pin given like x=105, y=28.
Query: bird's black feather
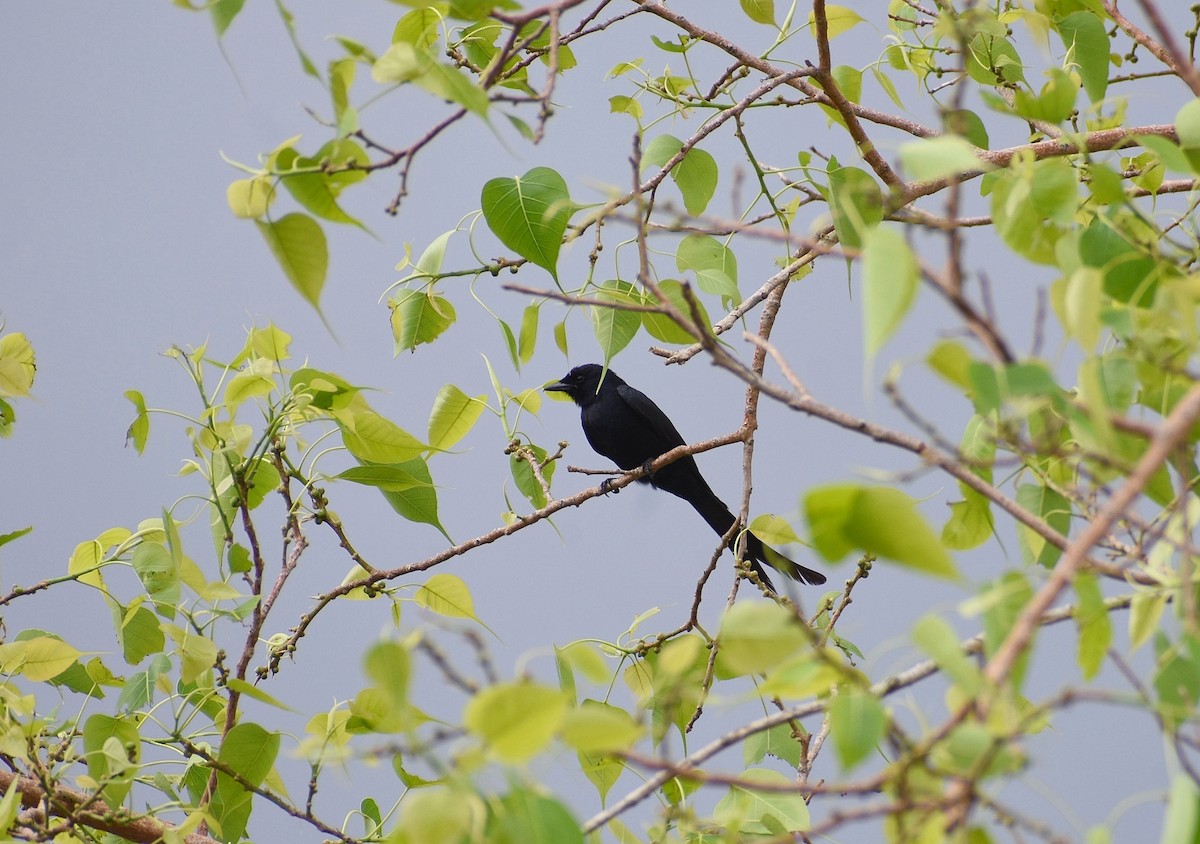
x=624, y=425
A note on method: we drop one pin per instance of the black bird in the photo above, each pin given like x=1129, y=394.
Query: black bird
x=625, y=426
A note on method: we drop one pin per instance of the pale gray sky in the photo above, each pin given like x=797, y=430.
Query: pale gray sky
x=117, y=242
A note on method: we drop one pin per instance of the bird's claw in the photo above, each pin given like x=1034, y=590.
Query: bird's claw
x=647, y=467
x=606, y=487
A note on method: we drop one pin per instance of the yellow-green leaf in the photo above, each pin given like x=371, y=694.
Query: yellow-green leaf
x=250, y=198
x=762, y=813
x=839, y=18
x=516, y=720
x=890, y=275
x=454, y=414
x=197, y=653
x=298, y=244
x=858, y=723
x=46, y=657
x=17, y=365
x=757, y=636
x=448, y=595
x=597, y=727
x=878, y=520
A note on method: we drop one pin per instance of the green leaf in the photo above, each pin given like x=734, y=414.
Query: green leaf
x=223, y=13
x=317, y=191
x=407, y=62
x=1002, y=603
x=1095, y=627
x=1055, y=510
x=879, y=520
x=1054, y=103
x=928, y=159
x=615, y=327
x=1177, y=679
x=596, y=727
x=762, y=812
x=17, y=365
x=116, y=767
x=661, y=326
x=696, y=177
x=529, y=215
x=696, y=174
x=777, y=741
x=6, y=538
x=1082, y=305
x=525, y=816
x=1145, y=613
x=1171, y=155
x=270, y=342
x=389, y=665
x=8, y=418
x=714, y=264
x=839, y=18
x=601, y=771
x=970, y=523
x=255, y=380
x=250, y=751
x=418, y=27
x=969, y=748
x=856, y=203
x=1084, y=36
x=621, y=104
x=858, y=723
x=1017, y=221
x=757, y=636
x=418, y=317
x=381, y=476
x=773, y=530
x=448, y=595
x=517, y=719
x=298, y=244
x=419, y=503
x=439, y=814
x=1054, y=191
x=429, y=265
x=993, y=60
x=249, y=199
x=1187, y=125
x=951, y=360
x=967, y=124
x=372, y=438
x=244, y=688
x=524, y=477
x=139, y=634
x=890, y=275
x=289, y=22
x=139, y=688
x=527, y=339
x=197, y=654
x=1129, y=274
x=325, y=390
x=760, y=11
x=155, y=566
x=937, y=639
x=37, y=659
x=1105, y=184
x=1182, y=822
x=454, y=414
x=10, y=804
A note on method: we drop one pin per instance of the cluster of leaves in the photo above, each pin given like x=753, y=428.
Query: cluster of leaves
x=1091, y=458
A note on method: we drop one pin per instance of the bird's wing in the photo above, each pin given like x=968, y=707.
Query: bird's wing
x=664, y=432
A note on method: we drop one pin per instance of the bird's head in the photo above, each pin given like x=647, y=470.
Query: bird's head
x=583, y=382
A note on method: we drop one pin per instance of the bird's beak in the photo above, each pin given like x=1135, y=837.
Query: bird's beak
x=557, y=387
